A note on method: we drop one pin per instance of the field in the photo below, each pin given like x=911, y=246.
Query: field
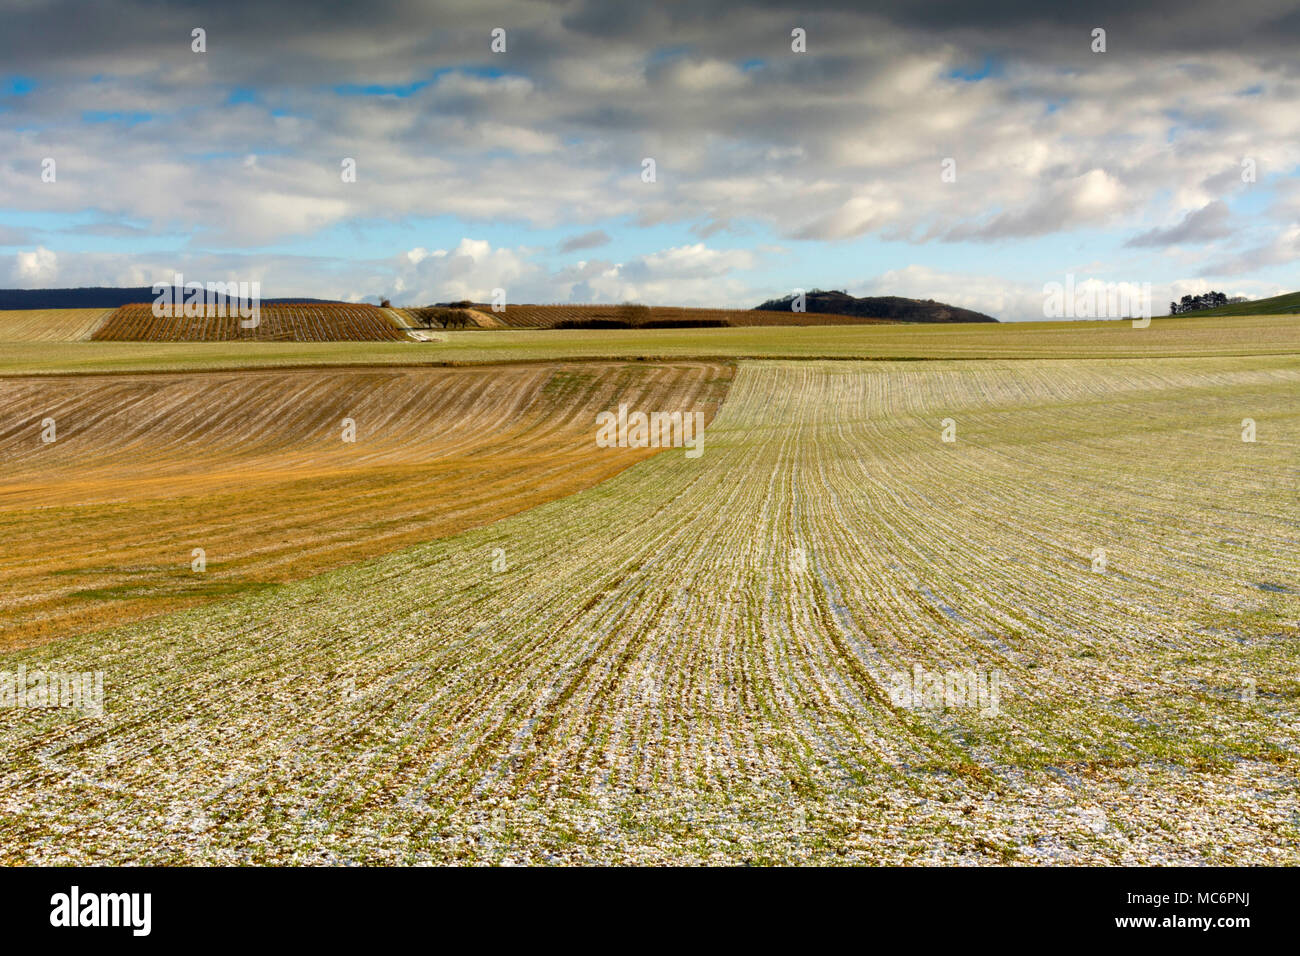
x=698, y=660
x=1288, y=304
x=99, y=525
x=1164, y=338
x=550, y=316
x=50, y=325
x=288, y=322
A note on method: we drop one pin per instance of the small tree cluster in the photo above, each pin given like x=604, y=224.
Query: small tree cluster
x=438, y=316
x=1193, y=303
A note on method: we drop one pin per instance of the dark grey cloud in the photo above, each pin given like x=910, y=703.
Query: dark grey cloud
x=307, y=41
x=588, y=240
x=1199, y=225
x=1051, y=31
x=843, y=141
x=10, y=236
x=111, y=230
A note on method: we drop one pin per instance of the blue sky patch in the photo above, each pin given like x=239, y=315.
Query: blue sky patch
x=17, y=85
x=132, y=118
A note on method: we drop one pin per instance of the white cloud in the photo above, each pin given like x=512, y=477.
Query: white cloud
x=683, y=275
x=1004, y=299
x=1282, y=249
x=36, y=268
x=842, y=142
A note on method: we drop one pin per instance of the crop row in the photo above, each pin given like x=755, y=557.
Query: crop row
x=277, y=475
x=304, y=322
x=695, y=661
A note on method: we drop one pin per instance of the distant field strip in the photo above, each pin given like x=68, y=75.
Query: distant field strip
x=50, y=325
x=99, y=526
x=1165, y=338
x=304, y=322
x=692, y=661
x=550, y=316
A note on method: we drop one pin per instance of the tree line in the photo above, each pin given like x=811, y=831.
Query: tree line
x=1209, y=300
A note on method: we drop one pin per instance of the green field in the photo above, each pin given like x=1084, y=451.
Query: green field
x=696, y=661
x=1288, y=304
x=1164, y=338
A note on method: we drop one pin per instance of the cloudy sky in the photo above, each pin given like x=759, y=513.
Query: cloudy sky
x=774, y=169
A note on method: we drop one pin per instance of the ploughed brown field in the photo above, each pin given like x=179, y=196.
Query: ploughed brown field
x=100, y=524
x=552, y=316
x=283, y=322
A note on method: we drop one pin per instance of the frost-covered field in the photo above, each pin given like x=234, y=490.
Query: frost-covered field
x=698, y=660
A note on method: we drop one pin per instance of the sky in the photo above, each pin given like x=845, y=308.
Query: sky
x=969, y=153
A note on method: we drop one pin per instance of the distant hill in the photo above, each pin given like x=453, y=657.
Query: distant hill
x=92, y=298
x=1288, y=304
x=878, y=307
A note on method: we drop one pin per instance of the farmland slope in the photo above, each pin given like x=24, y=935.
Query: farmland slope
x=99, y=525
x=1288, y=304
x=51, y=325
x=299, y=322
x=692, y=662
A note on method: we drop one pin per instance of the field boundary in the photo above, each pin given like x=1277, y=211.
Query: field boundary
x=726, y=359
